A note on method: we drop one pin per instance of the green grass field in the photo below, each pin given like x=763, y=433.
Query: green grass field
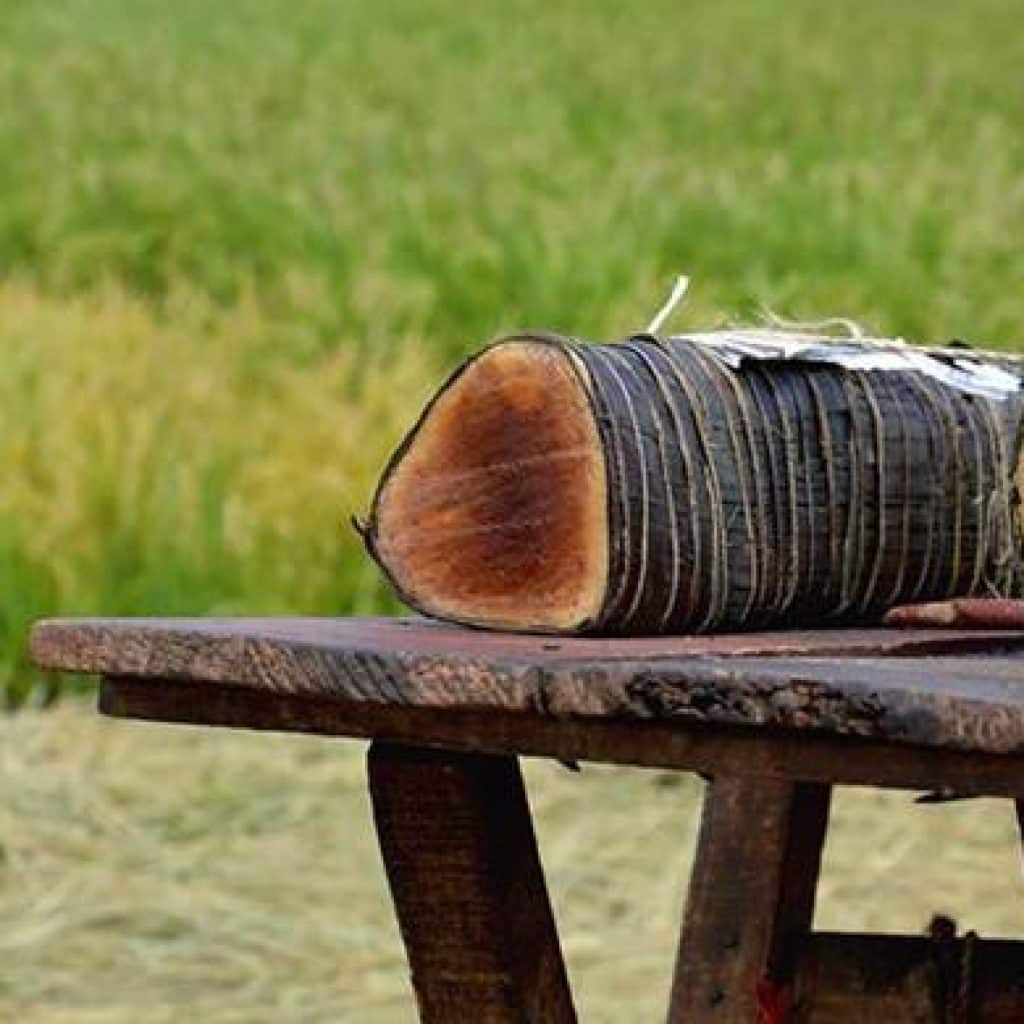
x=240, y=243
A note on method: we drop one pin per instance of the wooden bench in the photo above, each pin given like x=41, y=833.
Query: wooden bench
x=773, y=720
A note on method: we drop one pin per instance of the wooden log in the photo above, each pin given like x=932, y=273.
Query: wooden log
x=468, y=887
x=751, y=896
x=893, y=979
x=702, y=483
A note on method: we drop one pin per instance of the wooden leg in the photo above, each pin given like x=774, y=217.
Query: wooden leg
x=751, y=895
x=1019, y=806
x=468, y=887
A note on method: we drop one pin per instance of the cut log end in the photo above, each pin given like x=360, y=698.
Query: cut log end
x=494, y=510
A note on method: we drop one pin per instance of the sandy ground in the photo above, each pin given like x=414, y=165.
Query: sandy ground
x=150, y=872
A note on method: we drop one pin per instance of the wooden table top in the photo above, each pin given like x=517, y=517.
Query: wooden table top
x=947, y=689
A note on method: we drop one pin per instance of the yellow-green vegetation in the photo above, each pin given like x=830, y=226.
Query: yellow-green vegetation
x=187, y=461
x=163, y=874
x=239, y=245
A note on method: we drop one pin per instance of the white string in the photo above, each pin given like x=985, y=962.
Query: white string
x=853, y=329
x=678, y=291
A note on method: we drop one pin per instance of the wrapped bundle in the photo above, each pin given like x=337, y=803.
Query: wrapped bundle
x=724, y=481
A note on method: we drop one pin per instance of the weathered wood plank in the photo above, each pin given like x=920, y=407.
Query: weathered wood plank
x=123, y=646
x=959, y=702
x=891, y=979
x=751, y=895
x=773, y=755
x=468, y=887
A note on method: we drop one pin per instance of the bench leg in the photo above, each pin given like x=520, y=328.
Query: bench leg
x=1019, y=808
x=462, y=862
x=751, y=895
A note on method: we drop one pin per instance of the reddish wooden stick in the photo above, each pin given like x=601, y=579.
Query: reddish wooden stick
x=964, y=612
x=774, y=1002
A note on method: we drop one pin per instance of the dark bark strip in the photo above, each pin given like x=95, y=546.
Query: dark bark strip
x=779, y=524
x=666, y=483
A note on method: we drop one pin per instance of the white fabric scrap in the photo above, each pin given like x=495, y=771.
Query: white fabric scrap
x=954, y=368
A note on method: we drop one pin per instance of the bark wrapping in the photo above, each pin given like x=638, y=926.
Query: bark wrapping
x=795, y=492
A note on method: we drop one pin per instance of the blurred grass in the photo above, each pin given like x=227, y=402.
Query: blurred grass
x=185, y=463
x=238, y=243
x=532, y=162
x=246, y=887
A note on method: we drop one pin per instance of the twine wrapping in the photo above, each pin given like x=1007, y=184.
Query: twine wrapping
x=783, y=491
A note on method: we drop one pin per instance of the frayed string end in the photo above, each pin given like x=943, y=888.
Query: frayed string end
x=679, y=290
x=851, y=327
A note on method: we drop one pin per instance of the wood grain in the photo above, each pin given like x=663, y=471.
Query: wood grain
x=959, y=701
x=120, y=645
x=890, y=979
x=751, y=895
x=465, y=875
x=767, y=754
